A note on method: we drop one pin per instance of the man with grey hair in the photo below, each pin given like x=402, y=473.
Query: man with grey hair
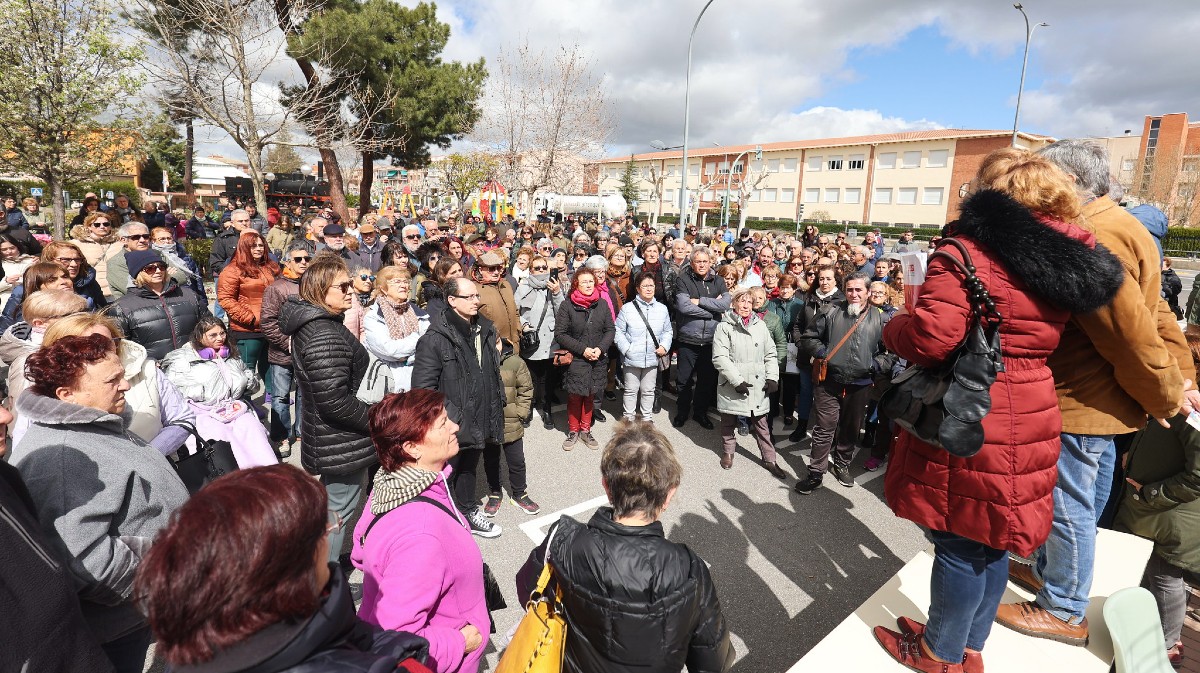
x=134, y=236
x=1113, y=368
x=701, y=299
x=411, y=239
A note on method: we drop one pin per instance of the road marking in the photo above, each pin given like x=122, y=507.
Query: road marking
x=534, y=528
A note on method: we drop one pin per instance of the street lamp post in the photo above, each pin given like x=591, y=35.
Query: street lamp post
x=729, y=179
x=1024, y=63
x=684, y=211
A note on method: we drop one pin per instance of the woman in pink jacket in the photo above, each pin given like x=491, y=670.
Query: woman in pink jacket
x=422, y=571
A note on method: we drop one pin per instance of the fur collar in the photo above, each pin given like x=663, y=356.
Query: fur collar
x=1059, y=265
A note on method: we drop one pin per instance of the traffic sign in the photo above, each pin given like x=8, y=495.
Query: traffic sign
x=109, y=195
x=35, y=191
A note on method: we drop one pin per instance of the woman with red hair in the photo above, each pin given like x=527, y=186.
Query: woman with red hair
x=422, y=571
x=262, y=596
x=240, y=290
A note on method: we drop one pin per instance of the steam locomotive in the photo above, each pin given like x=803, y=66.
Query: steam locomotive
x=286, y=190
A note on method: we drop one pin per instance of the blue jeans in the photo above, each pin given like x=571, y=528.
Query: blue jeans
x=1065, y=563
x=285, y=421
x=804, y=396
x=968, y=580
x=218, y=312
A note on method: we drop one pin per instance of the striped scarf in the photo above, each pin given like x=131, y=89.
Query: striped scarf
x=393, y=489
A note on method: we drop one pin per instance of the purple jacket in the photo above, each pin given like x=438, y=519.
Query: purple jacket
x=423, y=573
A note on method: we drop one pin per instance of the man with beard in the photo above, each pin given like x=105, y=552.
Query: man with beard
x=849, y=335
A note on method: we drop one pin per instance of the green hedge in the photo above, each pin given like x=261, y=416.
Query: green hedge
x=1182, y=240
x=921, y=233
x=199, y=249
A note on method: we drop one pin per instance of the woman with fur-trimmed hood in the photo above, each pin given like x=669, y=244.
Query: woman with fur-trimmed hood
x=99, y=242
x=1041, y=264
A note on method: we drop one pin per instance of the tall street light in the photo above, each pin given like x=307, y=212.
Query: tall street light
x=1028, y=36
x=729, y=179
x=684, y=211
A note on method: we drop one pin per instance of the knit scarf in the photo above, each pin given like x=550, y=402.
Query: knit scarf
x=393, y=489
x=401, y=320
x=607, y=297
x=585, y=300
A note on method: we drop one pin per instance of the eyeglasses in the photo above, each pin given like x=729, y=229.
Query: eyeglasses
x=138, y=237
x=365, y=276
x=67, y=261
x=466, y=296
x=303, y=259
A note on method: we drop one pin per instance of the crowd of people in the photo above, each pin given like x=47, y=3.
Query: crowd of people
x=396, y=353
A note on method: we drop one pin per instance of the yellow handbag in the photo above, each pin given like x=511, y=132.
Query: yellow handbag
x=539, y=644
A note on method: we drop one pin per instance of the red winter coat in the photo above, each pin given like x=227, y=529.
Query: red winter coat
x=1038, y=271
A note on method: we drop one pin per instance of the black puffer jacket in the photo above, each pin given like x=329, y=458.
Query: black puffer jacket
x=577, y=328
x=447, y=363
x=652, y=608
x=160, y=323
x=224, y=244
x=330, y=364
x=334, y=640
x=808, y=313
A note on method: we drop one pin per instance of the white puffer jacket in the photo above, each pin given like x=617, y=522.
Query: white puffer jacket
x=208, y=381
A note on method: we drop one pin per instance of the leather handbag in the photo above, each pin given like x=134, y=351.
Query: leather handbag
x=562, y=357
x=211, y=459
x=945, y=406
x=540, y=641
x=530, y=339
x=820, y=366
x=376, y=383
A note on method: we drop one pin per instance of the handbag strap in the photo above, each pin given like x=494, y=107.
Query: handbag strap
x=191, y=429
x=647, y=321
x=362, y=539
x=545, y=307
x=983, y=305
x=830, y=354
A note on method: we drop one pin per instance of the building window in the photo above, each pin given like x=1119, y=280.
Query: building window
x=835, y=162
x=710, y=168
x=832, y=194
x=932, y=196
x=693, y=169
x=812, y=195
x=672, y=169
x=1127, y=164
x=911, y=160
x=886, y=160
x=814, y=163
x=856, y=162
x=787, y=196
x=906, y=196
x=772, y=165
x=853, y=195
x=883, y=194
x=707, y=196
x=756, y=195
x=789, y=165
x=669, y=196
x=737, y=168
x=770, y=195
x=938, y=158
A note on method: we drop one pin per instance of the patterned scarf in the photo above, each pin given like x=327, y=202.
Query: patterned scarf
x=401, y=320
x=393, y=489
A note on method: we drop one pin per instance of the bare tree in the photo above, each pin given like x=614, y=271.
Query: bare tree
x=543, y=114
x=750, y=181
x=1171, y=185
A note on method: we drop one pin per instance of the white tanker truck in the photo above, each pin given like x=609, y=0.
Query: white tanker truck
x=609, y=205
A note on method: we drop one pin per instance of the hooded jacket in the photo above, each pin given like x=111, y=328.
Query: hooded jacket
x=467, y=371
x=101, y=496
x=518, y=393
x=160, y=323
x=695, y=323
x=332, y=640
x=632, y=336
x=744, y=352
x=98, y=252
x=329, y=364
x=634, y=600
x=1039, y=272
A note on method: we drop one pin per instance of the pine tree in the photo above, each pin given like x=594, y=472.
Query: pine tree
x=629, y=184
x=281, y=156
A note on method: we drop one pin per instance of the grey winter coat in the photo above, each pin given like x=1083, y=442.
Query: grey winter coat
x=744, y=352
x=576, y=329
x=696, y=323
x=531, y=297
x=101, y=496
x=633, y=339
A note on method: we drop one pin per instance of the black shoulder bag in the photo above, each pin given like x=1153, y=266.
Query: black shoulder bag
x=945, y=406
x=213, y=458
x=491, y=588
x=530, y=340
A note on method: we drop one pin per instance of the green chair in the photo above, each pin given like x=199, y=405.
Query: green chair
x=1132, y=619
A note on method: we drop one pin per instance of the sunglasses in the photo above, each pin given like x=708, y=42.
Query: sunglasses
x=344, y=287
x=540, y=268
x=68, y=260
x=301, y=259
x=412, y=236
x=364, y=276
x=138, y=237
x=154, y=267
x=101, y=223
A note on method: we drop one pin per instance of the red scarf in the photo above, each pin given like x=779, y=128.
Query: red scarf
x=580, y=299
